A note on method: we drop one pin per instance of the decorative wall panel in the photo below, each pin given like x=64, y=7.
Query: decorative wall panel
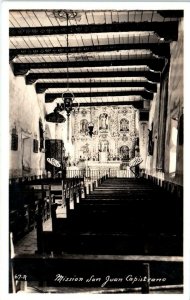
x=114, y=131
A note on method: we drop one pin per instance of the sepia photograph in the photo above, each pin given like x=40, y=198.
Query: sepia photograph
x=96, y=135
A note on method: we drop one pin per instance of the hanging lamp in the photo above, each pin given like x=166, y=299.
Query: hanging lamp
x=68, y=97
x=90, y=124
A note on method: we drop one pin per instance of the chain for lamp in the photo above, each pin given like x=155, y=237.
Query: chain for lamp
x=90, y=125
x=67, y=97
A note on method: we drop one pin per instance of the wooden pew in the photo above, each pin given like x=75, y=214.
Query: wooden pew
x=82, y=250
x=27, y=194
x=26, y=197
x=100, y=271
x=112, y=243
x=23, y=207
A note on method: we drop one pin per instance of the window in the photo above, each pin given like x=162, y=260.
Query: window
x=173, y=146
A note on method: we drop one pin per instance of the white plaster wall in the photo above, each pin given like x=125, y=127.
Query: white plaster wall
x=25, y=109
x=153, y=118
x=174, y=110
x=175, y=105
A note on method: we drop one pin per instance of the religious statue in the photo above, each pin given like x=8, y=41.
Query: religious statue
x=103, y=121
x=83, y=126
x=124, y=151
x=104, y=146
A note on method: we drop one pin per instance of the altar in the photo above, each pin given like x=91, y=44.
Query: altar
x=112, y=168
x=103, y=157
x=103, y=165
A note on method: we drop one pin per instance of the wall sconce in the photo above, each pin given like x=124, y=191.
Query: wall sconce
x=55, y=117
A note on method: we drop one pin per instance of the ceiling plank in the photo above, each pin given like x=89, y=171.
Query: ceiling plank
x=50, y=97
x=167, y=30
x=151, y=76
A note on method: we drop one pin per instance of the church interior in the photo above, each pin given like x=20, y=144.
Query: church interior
x=96, y=151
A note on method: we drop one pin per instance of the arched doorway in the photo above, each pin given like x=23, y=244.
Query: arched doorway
x=124, y=152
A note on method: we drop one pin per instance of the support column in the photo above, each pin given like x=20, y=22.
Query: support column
x=163, y=105
x=143, y=141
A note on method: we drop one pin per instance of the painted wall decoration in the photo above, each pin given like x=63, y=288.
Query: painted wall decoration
x=112, y=126
x=35, y=145
x=14, y=140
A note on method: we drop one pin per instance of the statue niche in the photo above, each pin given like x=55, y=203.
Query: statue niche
x=84, y=126
x=103, y=151
x=124, y=152
x=104, y=146
x=103, y=122
x=124, y=125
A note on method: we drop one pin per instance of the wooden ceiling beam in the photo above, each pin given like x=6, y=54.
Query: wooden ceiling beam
x=42, y=87
x=167, y=30
x=50, y=97
x=169, y=13
x=149, y=75
x=155, y=64
x=162, y=49
x=137, y=104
